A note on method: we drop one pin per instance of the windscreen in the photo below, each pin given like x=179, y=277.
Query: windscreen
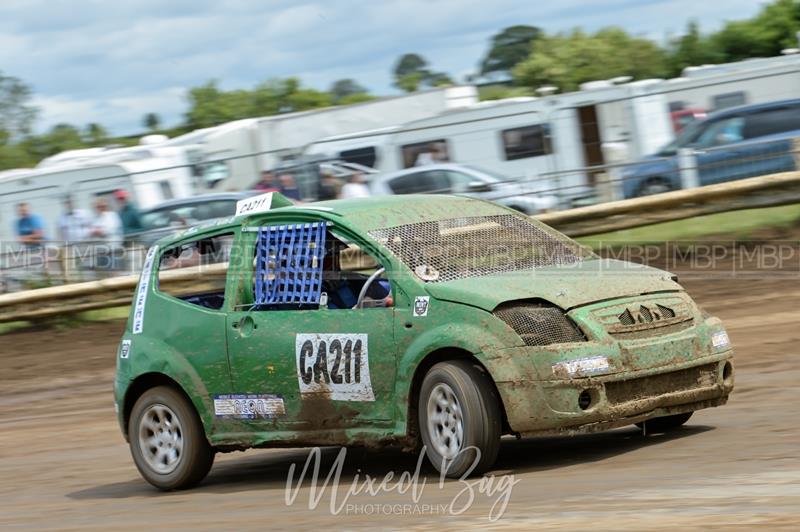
x=459, y=248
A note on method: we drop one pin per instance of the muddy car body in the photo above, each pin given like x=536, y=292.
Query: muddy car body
x=440, y=319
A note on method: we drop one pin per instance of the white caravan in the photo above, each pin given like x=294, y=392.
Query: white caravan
x=151, y=174
x=567, y=141
x=235, y=153
x=549, y=140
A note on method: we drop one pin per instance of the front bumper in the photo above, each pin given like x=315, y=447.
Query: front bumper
x=590, y=404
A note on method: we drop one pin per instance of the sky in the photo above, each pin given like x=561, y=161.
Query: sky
x=113, y=61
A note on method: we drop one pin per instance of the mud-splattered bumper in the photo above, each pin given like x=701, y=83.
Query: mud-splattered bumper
x=535, y=404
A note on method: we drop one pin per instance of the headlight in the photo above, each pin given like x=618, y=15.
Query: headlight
x=539, y=325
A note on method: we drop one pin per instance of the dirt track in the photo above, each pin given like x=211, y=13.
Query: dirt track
x=64, y=463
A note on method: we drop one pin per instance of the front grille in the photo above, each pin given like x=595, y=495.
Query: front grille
x=539, y=325
x=473, y=246
x=655, y=385
x=645, y=314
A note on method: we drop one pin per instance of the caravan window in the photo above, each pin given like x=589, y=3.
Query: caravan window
x=730, y=99
x=365, y=156
x=524, y=142
x=428, y=152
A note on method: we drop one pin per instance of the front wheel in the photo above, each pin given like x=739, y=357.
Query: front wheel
x=167, y=440
x=459, y=418
x=665, y=423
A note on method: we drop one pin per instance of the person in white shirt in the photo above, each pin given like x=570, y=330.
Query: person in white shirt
x=355, y=188
x=73, y=224
x=106, y=231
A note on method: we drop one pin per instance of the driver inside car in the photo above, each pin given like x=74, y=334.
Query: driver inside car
x=344, y=286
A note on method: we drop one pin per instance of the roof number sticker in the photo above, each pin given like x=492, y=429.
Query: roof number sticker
x=334, y=365
x=260, y=203
x=141, y=293
x=421, y=304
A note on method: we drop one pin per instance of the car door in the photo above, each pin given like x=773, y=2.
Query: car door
x=186, y=312
x=719, y=151
x=294, y=345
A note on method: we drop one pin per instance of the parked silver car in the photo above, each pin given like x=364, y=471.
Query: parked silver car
x=451, y=178
x=169, y=216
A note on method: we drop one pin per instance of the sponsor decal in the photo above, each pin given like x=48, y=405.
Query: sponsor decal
x=336, y=365
x=720, y=339
x=125, y=349
x=141, y=293
x=421, y=304
x=582, y=366
x=248, y=406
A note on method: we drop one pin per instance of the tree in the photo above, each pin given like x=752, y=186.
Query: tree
x=16, y=113
x=344, y=88
x=210, y=106
x=410, y=71
x=773, y=29
x=61, y=137
x=410, y=64
x=95, y=134
x=568, y=59
x=692, y=49
x=151, y=121
x=509, y=47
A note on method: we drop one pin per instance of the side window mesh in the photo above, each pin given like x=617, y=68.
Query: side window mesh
x=289, y=264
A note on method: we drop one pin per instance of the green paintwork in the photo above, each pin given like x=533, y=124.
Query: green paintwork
x=235, y=350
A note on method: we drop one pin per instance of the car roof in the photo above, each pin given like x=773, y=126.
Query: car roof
x=364, y=214
x=202, y=198
x=425, y=168
x=753, y=108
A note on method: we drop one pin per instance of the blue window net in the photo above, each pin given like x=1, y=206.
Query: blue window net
x=289, y=264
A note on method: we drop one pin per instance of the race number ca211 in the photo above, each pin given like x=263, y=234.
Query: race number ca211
x=336, y=365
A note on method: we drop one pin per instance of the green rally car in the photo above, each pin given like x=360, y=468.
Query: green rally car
x=441, y=320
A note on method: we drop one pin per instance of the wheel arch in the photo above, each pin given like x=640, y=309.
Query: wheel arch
x=139, y=386
x=443, y=354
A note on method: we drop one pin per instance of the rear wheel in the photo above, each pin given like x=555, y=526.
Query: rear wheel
x=459, y=418
x=167, y=440
x=665, y=423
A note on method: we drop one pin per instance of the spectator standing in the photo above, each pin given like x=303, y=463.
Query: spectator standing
x=29, y=227
x=289, y=188
x=356, y=187
x=266, y=183
x=328, y=186
x=73, y=224
x=128, y=213
x=106, y=231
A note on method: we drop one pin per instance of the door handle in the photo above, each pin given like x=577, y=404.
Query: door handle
x=246, y=326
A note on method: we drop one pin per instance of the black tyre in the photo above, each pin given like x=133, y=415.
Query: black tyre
x=459, y=417
x=167, y=440
x=665, y=423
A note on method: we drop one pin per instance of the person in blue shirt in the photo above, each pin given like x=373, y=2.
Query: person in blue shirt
x=29, y=226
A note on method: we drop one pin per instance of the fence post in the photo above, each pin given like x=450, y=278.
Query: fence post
x=687, y=163
x=796, y=151
x=604, y=187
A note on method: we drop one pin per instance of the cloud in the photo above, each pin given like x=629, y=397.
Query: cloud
x=112, y=62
